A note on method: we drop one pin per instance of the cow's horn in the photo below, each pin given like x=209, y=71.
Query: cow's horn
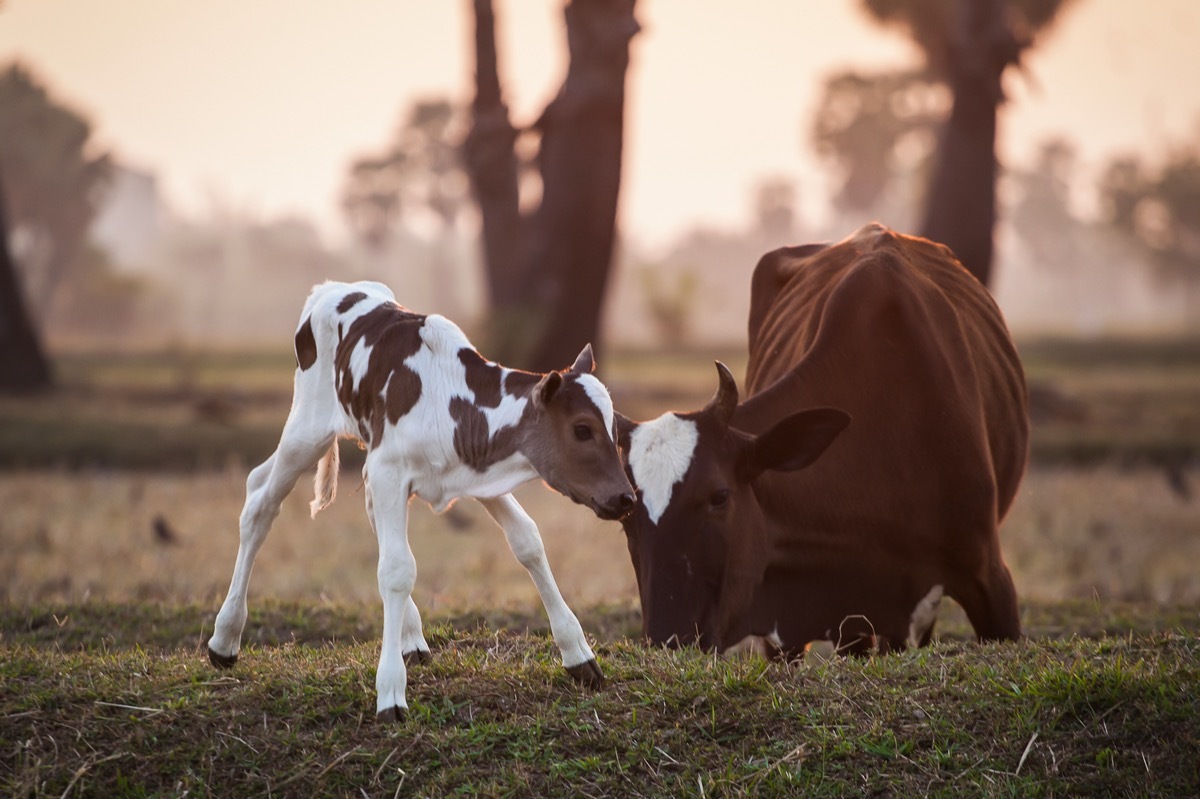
x=725, y=401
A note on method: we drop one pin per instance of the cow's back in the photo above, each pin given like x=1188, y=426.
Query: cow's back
x=893, y=330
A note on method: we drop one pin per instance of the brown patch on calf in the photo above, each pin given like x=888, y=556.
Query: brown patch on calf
x=306, y=345
x=518, y=383
x=350, y=300
x=394, y=335
x=472, y=442
x=483, y=378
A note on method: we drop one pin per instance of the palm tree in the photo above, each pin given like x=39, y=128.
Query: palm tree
x=969, y=44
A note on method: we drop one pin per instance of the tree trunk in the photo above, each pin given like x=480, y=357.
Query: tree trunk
x=491, y=165
x=960, y=211
x=580, y=159
x=547, y=276
x=23, y=365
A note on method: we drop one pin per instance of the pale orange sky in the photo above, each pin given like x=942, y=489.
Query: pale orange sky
x=263, y=102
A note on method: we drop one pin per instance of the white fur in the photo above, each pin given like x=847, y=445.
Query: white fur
x=660, y=453
x=506, y=414
x=600, y=397
x=414, y=456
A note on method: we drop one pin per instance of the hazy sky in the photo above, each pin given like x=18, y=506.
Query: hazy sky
x=263, y=102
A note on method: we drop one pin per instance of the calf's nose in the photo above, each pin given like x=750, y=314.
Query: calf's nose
x=618, y=506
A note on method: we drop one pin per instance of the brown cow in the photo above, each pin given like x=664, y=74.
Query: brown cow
x=886, y=351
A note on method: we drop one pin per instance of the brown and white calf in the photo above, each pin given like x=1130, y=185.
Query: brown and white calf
x=439, y=422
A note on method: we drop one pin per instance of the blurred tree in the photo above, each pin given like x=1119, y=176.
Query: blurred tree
x=55, y=180
x=23, y=365
x=866, y=123
x=968, y=44
x=98, y=304
x=670, y=305
x=1160, y=208
x=775, y=209
x=1042, y=214
x=371, y=198
x=419, y=170
x=547, y=272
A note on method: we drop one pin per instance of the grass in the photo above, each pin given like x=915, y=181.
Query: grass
x=118, y=700
x=105, y=690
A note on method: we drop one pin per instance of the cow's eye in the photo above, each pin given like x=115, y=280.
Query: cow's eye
x=718, y=499
x=583, y=432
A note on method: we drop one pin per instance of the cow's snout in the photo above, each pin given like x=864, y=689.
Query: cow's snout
x=616, y=507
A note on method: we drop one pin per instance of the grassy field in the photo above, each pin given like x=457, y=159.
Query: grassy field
x=1103, y=402
x=1104, y=532
x=118, y=700
x=119, y=498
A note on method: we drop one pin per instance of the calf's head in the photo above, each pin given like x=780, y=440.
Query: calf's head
x=698, y=536
x=572, y=440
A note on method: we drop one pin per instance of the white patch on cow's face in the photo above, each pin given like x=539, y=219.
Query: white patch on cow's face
x=600, y=397
x=660, y=452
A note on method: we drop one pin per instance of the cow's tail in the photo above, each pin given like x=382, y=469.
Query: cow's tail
x=325, y=483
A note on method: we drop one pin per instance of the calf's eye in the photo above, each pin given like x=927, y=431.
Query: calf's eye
x=583, y=432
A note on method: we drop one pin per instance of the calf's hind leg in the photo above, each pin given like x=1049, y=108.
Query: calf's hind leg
x=266, y=488
x=413, y=646
x=388, y=499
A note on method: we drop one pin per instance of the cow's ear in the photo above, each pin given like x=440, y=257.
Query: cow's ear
x=585, y=363
x=795, y=441
x=546, y=388
x=625, y=427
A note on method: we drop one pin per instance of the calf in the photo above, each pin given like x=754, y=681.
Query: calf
x=440, y=422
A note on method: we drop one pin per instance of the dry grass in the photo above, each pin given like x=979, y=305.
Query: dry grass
x=70, y=536
x=1113, y=533
x=1106, y=532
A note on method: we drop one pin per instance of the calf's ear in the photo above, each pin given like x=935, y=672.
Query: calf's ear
x=547, y=387
x=795, y=441
x=584, y=364
x=625, y=427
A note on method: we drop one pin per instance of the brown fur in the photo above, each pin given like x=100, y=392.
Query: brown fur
x=394, y=334
x=892, y=330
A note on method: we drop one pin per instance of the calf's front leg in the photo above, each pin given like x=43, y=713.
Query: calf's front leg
x=526, y=544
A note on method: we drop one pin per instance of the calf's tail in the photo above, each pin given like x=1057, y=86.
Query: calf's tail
x=325, y=483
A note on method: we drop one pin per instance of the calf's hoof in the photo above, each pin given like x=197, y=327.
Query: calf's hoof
x=391, y=715
x=587, y=673
x=221, y=661
x=417, y=656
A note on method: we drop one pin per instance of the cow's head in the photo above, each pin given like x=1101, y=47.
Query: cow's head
x=572, y=440
x=698, y=537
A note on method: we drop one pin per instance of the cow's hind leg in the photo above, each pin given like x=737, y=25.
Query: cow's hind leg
x=266, y=488
x=526, y=544
x=990, y=601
